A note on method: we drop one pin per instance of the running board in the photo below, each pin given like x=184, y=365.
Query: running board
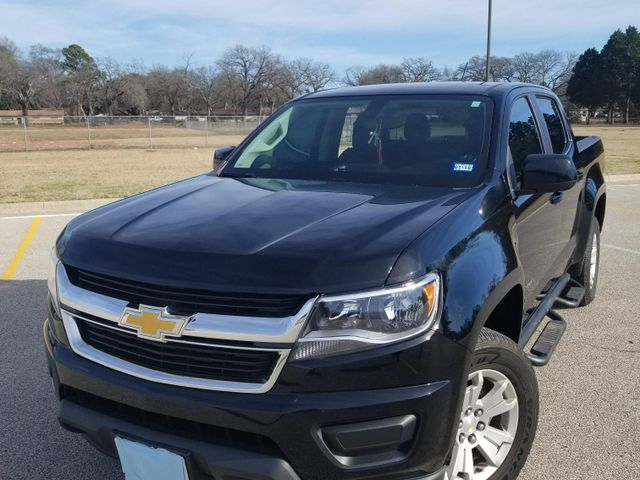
x=572, y=295
x=548, y=340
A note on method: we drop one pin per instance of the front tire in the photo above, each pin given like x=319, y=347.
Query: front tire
x=499, y=413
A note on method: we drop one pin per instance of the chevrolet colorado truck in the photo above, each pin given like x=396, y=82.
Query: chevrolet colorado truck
x=359, y=290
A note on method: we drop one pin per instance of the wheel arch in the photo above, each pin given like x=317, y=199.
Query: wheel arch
x=506, y=316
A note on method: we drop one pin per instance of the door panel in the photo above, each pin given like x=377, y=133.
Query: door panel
x=538, y=217
x=554, y=126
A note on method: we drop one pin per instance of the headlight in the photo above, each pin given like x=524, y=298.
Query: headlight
x=52, y=282
x=340, y=324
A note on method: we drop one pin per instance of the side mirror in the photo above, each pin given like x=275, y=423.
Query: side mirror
x=544, y=173
x=221, y=154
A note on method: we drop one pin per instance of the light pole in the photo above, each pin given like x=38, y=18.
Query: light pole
x=488, y=66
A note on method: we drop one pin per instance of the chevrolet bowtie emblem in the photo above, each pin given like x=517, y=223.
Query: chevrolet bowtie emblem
x=153, y=323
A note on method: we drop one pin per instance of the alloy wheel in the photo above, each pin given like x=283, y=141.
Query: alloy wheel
x=487, y=427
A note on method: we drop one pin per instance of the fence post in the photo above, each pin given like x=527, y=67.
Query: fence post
x=206, y=131
x=150, y=141
x=26, y=135
x=88, y=131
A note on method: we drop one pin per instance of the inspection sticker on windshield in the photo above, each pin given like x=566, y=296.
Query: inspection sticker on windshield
x=475, y=104
x=463, y=167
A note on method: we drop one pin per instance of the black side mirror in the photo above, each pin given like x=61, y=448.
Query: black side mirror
x=221, y=154
x=548, y=173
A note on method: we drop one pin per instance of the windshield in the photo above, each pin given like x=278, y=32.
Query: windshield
x=417, y=140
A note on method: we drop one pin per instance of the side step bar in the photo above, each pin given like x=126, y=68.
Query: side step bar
x=548, y=340
x=572, y=296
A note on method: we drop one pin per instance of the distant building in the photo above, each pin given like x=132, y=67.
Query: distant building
x=36, y=117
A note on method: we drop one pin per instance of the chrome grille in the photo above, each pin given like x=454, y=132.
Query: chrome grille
x=177, y=357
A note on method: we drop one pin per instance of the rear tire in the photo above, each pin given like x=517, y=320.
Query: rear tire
x=499, y=414
x=586, y=273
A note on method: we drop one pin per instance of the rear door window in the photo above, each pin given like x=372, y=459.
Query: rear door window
x=524, y=138
x=554, y=123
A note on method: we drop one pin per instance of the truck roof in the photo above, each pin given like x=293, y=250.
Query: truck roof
x=492, y=89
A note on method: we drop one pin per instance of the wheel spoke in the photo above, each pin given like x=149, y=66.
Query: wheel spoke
x=500, y=407
x=497, y=437
x=461, y=465
x=489, y=451
x=475, y=389
x=494, y=402
x=467, y=465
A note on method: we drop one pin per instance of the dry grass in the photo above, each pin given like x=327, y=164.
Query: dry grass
x=130, y=135
x=123, y=165
x=621, y=145
x=74, y=175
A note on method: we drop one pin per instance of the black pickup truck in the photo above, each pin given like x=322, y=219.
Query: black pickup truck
x=357, y=291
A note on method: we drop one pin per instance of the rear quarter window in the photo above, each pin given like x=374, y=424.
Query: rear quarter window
x=554, y=123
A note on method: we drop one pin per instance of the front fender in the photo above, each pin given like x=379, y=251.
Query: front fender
x=473, y=251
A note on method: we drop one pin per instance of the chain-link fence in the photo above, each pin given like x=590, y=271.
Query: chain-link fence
x=117, y=132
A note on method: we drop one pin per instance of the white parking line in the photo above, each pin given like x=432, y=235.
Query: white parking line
x=51, y=215
x=622, y=249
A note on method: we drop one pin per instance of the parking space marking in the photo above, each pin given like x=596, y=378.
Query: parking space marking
x=50, y=215
x=22, y=249
x=622, y=249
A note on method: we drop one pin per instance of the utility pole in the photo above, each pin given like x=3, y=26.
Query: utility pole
x=486, y=75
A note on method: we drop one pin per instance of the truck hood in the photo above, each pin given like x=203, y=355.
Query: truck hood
x=256, y=235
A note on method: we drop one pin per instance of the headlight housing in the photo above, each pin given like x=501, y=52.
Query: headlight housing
x=345, y=323
x=52, y=281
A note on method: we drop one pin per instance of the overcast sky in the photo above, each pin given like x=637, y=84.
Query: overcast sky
x=340, y=32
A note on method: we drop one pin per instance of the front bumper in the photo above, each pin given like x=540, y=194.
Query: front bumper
x=275, y=435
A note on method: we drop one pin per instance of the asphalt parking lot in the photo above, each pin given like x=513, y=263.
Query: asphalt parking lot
x=590, y=400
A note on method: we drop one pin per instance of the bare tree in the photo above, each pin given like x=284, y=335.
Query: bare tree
x=8, y=60
x=245, y=71
x=164, y=87
x=375, y=75
x=47, y=61
x=527, y=67
x=554, y=69
x=27, y=78
x=113, y=82
x=207, y=84
x=419, y=70
x=471, y=71
x=502, y=69
x=135, y=99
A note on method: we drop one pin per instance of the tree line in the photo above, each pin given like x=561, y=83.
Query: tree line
x=249, y=80
x=609, y=77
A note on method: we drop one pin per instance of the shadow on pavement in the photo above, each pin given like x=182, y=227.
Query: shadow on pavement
x=32, y=443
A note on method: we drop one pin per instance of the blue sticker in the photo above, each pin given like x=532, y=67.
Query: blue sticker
x=463, y=167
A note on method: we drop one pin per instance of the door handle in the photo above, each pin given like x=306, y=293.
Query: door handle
x=556, y=197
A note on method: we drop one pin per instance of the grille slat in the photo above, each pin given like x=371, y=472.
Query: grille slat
x=186, y=300
x=238, y=358
x=202, y=361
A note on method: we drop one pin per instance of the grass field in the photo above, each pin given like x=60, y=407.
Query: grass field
x=63, y=168
x=74, y=174
x=130, y=135
x=621, y=145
